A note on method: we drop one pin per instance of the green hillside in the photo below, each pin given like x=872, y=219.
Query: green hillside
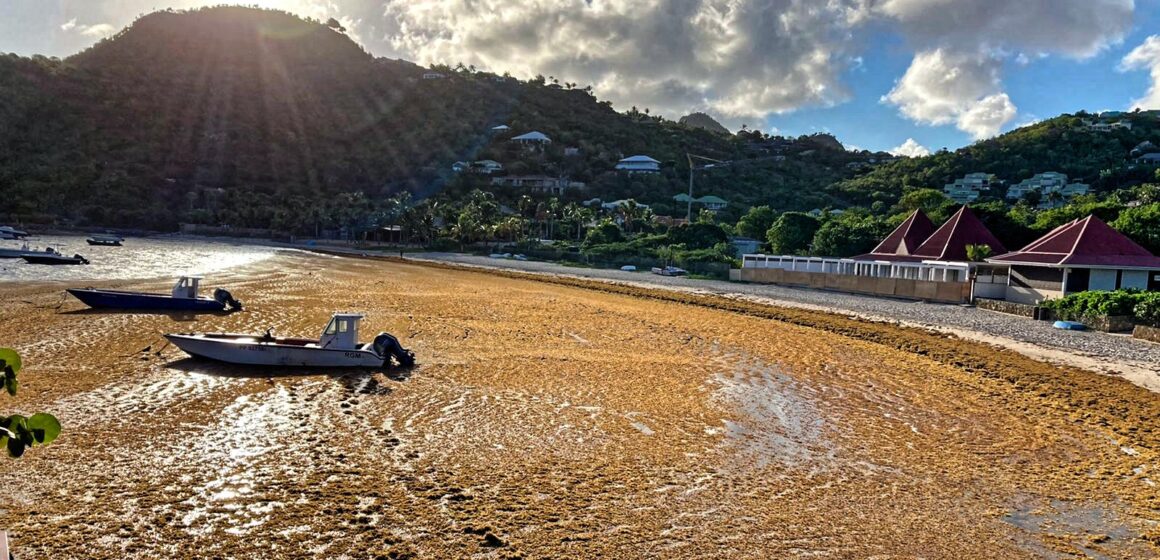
x=259, y=118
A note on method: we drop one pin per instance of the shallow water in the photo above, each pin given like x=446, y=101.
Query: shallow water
x=139, y=257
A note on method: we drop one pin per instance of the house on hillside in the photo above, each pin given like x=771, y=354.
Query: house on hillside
x=1149, y=159
x=501, y=128
x=1108, y=127
x=638, y=164
x=433, y=76
x=538, y=183
x=533, y=138
x=482, y=167
x=1053, y=187
x=1084, y=254
x=969, y=187
x=708, y=202
x=1145, y=147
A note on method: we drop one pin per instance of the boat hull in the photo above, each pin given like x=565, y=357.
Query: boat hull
x=103, y=243
x=250, y=350
x=50, y=259
x=110, y=299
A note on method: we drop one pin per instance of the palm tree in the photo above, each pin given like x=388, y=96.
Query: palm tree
x=629, y=211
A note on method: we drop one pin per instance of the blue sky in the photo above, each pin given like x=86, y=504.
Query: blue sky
x=878, y=74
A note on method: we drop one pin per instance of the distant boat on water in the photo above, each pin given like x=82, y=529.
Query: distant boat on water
x=338, y=346
x=183, y=297
x=105, y=240
x=669, y=271
x=6, y=253
x=7, y=232
x=55, y=258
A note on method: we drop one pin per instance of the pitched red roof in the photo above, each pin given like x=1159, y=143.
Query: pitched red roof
x=904, y=239
x=1086, y=243
x=949, y=242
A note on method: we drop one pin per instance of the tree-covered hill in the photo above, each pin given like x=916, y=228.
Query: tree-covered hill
x=1066, y=144
x=259, y=118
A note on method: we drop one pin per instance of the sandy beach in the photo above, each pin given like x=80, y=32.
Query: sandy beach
x=562, y=419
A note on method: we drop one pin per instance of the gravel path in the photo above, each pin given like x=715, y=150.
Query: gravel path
x=1113, y=352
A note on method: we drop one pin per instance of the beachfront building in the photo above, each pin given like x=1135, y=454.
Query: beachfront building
x=533, y=138
x=1078, y=256
x=968, y=188
x=538, y=183
x=916, y=261
x=638, y=164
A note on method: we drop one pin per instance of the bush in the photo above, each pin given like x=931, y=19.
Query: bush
x=1096, y=303
x=1147, y=309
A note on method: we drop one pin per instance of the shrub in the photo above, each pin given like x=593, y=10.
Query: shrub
x=1095, y=303
x=1147, y=309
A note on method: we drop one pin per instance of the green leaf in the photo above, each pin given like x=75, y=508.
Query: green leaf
x=11, y=358
x=45, y=427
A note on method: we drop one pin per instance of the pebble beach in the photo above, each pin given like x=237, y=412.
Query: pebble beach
x=561, y=419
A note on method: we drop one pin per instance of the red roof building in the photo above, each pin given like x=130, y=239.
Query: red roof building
x=1078, y=256
x=1083, y=243
x=903, y=241
x=948, y=243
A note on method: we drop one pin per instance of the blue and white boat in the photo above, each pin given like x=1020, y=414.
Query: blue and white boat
x=182, y=298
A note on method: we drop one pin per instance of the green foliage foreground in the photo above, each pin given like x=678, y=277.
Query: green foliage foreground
x=17, y=432
x=1143, y=307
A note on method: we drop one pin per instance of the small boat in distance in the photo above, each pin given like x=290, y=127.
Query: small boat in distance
x=55, y=258
x=669, y=271
x=338, y=346
x=7, y=232
x=105, y=239
x=183, y=297
x=6, y=253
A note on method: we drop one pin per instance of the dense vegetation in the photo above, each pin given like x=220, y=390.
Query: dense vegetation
x=1142, y=307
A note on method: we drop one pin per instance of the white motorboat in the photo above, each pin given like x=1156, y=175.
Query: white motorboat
x=7, y=232
x=337, y=347
x=24, y=250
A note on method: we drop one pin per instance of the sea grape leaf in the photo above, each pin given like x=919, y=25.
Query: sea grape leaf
x=45, y=427
x=10, y=384
x=11, y=359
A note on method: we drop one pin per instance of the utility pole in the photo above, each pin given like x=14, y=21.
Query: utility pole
x=689, y=208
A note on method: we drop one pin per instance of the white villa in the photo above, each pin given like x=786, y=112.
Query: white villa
x=533, y=138
x=540, y=183
x=639, y=164
x=1046, y=184
x=969, y=188
x=482, y=167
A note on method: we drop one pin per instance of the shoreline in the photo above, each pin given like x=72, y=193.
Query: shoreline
x=1142, y=373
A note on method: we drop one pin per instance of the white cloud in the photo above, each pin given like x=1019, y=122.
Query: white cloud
x=1075, y=28
x=910, y=148
x=943, y=88
x=97, y=30
x=736, y=58
x=1146, y=56
x=955, y=74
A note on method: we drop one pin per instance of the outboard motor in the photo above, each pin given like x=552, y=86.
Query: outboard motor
x=223, y=297
x=81, y=259
x=387, y=345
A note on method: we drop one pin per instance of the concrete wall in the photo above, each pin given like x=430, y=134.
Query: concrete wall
x=946, y=292
x=1031, y=295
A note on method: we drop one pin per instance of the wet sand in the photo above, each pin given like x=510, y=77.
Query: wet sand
x=563, y=420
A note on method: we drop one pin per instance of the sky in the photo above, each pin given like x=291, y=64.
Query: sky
x=907, y=76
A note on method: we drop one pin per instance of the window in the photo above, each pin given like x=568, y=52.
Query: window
x=342, y=326
x=331, y=328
